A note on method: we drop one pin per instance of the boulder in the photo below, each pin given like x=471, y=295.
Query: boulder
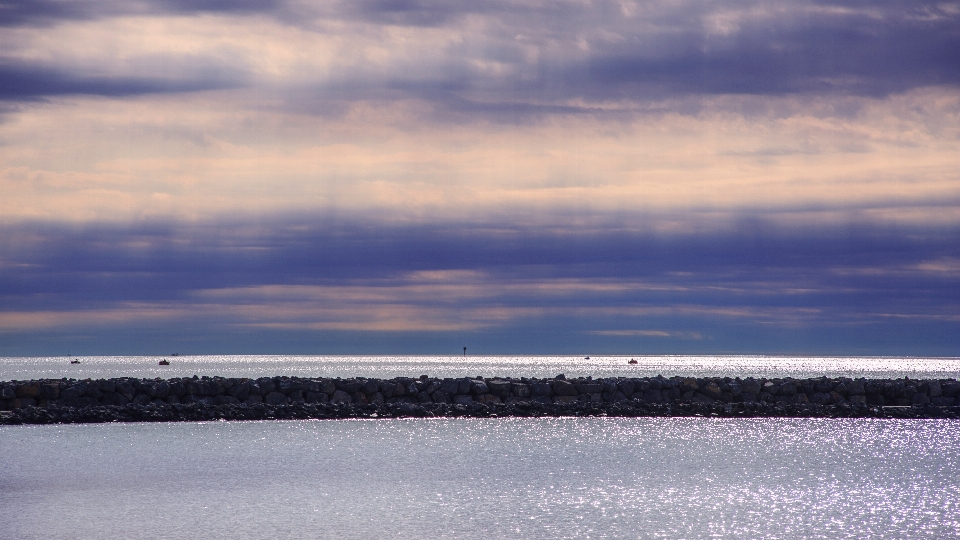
x=712, y=391
x=586, y=387
x=28, y=390
x=499, y=387
x=820, y=398
x=563, y=388
x=50, y=390
x=652, y=396
x=462, y=399
x=701, y=398
x=488, y=399
x=750, y=386
x=478, y=387
x=450, y=386
x=71, y=392
x=540, y=389
x=340, y=397
x=276, y=398
x=520, y=390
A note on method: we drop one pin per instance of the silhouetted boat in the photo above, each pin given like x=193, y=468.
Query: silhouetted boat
x=75, y=361
x=164, y=362
x=632, y=361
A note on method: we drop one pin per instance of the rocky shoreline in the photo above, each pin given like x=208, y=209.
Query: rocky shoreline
x=218, y=398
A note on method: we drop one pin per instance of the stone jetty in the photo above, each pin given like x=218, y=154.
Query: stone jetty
x=219, y=398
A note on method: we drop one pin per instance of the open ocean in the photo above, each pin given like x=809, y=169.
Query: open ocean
x=483, y=478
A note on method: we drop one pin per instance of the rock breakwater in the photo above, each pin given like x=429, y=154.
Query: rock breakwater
x=206, y=398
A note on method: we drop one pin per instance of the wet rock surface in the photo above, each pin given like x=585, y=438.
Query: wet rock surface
x=218, y=398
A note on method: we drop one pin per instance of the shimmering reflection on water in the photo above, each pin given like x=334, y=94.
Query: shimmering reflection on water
x=497, y=478
x=487, y=366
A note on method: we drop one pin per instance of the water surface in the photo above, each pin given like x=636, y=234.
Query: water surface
x=488, y=366
x=484, y=478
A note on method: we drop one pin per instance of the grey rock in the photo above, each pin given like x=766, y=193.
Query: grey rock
x=499, y=387
x=563, y=388
x=585, y=387
x=340, y=397
x=820, y=398
x=114, y=398
x=652, y=396
x=32, y=390
x=160, y=390
x=750, y=386
x=943, y=401
x=520, y=390
x=275, y=398
x=71, y=392
x=540, y=389
x=478, y=387
x=240, y=391
x=266, y=385
x=388, y=389
x=49, y=391
x=711, y=390
x=787, y=389
x=287, y=386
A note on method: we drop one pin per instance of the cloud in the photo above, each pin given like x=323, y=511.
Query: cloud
x=647, y=333
x=19, y=81
x=611, y=280
x=516, y=58
x=530, y=172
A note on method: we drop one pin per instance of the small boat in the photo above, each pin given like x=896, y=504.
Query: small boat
x=75, y=361
x=632, y=361
x=164, y=362
x=586, y=357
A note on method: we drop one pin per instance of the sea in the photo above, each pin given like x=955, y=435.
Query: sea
x=483, y=478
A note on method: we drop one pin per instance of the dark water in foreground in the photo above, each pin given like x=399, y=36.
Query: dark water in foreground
x=484, y=478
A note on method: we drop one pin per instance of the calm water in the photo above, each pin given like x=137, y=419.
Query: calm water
x=490, y=478
x=488, y=366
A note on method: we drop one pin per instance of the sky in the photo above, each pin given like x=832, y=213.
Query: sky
x=515, y=177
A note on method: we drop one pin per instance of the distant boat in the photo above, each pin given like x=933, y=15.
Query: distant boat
x=175, y=354
x=75, y=361
x=632, y=361
x=586, y=357
x=164, y=362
